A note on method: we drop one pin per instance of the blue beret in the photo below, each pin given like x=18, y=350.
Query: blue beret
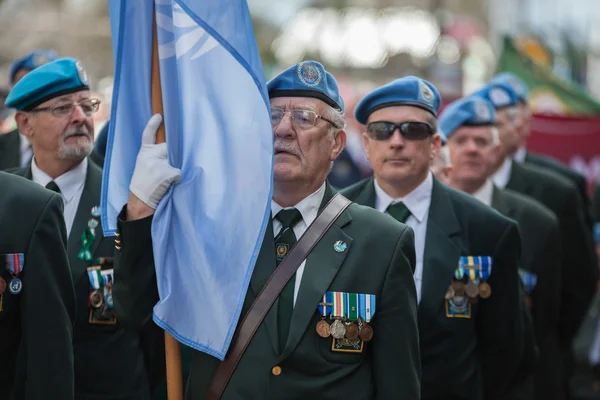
x=517, y=85
x=31, y=61
x=407, y=91
x=500, y=94
x=307, y=79
x=468, y=111
x=63, y=76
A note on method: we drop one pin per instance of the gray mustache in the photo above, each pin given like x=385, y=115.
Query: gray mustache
x=287, y=147
x=81, y=130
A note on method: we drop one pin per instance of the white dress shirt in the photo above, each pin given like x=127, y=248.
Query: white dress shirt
x=71, y=185
x=485, y=193
x=25, y=149
x=520, y=155
x=309, y=208
x=502, y=176
x=417, y=202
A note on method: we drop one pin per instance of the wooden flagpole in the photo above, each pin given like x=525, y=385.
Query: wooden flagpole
x=172, y=348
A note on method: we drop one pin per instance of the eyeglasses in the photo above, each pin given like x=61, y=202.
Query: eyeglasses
x=88, y=106
x=301, y=119
x=411, y=130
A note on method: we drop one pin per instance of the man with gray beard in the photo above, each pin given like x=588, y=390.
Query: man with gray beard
x=54, y=111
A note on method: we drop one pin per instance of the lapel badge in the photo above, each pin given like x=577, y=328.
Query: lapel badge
x=95, y=212
x=281, y=250
x=340, y=246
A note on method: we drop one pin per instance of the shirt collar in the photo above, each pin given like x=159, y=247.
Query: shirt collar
x=502, y=176
x=69, y=183
x=485, y=193
x=308, y=207
x=417, y=201
x=520, y=155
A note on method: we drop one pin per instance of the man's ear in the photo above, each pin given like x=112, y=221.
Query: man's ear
x=24, y=123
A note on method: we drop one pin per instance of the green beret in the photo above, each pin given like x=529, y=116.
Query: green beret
x=56, y=78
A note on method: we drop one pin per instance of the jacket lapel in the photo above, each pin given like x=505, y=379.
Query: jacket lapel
x=367, y=196
x=264, y=268
x=500, y=203
x=442, y=250
x=518, y=180
x=89, y=198
x=322, y=265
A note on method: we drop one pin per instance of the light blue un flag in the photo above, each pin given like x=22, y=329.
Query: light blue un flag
x=208, y=229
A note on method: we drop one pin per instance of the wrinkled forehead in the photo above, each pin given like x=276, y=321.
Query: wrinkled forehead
x=400, y=114
x=67, y=98
x=298, y=103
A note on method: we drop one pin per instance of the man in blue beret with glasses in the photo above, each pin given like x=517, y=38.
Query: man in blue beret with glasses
x=579, y=267
x=303, y=348
x=55, y=111
x=473, y=145
x=15, y=149
x=522, y=155
x=470, y=330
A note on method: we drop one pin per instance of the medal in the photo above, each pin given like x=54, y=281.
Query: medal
x=366, y=333
x=458, y=288
x=338, y=330
x=15, y=286
x=472, y=289
x=485, y=290
x=351, y=331
x=96, y=299
x=323, y=329
x=2, y=286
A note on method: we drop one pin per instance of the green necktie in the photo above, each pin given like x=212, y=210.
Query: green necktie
x=284, y=241
x=399, y=211
x=53, y=186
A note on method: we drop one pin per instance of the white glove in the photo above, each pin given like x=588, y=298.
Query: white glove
x=153, y=174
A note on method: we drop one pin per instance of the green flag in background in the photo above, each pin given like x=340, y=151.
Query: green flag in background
x=547, y=92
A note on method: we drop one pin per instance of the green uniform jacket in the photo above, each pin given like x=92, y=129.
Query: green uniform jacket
x=596, y=203
x=579, y=269
x=10, y=150
x=541, y=255
x=462, y=358
x=108, y=359
x=378, y=260
x=559, y=168
x=35, y=325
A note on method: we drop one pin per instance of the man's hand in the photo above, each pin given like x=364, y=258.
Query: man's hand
x=152, y=176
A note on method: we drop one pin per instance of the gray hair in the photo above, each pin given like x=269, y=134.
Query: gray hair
x=338, y=119
x=495, y=136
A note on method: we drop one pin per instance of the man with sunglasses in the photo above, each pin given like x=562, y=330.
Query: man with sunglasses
x=54, y=111
x=471, y=334
x=473, y=145
x=293, y=354
x=579, y=268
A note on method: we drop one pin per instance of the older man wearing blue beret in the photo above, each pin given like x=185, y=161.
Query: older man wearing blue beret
x=579, y=267
x=471, y=334
x=345, y=325
x=15, y=149
x=54, y=110
x=473, y=145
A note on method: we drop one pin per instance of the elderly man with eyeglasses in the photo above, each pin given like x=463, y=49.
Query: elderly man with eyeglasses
x=305, y=348
x=54, y=111
x=467, y=254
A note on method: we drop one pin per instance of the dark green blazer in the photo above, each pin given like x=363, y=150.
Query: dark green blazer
x=579, y=268
x=462, y=358
x=596, y=203
x=541, y=255
x=107, y=357
x=561, y=169
x=10, y=150
x=378, y=261
x=35, y=325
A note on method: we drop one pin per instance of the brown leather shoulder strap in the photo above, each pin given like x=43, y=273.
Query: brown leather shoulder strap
x=265, y=299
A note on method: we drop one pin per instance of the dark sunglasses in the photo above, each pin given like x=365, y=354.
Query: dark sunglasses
x=412, y=130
